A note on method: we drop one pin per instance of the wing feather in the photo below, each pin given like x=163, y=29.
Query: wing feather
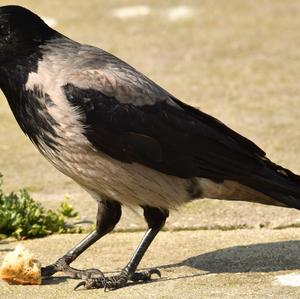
x=132, y=119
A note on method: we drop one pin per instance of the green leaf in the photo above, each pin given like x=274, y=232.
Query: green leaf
x=21, y=217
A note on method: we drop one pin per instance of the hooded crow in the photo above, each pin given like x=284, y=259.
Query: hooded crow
x=123, y=138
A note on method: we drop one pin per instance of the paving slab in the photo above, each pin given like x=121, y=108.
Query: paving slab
x=194, y=264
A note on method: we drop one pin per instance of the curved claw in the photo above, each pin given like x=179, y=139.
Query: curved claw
x=81, y=283
x=92, y=283
x=145, y=275
x=154, y=271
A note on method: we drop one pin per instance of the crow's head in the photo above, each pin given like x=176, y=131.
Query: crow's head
x=20, y=31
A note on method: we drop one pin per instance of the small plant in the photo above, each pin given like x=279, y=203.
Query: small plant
x=21, y=217
x=66, y=209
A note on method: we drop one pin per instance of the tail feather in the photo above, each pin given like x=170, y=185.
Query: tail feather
x=277, y=182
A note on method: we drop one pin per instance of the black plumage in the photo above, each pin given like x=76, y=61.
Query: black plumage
x=178, y=140
x=123, y=138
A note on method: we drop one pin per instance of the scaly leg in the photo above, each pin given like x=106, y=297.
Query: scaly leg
x=156, y=219
x=108, y=215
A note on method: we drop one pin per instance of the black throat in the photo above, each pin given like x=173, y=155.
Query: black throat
x=28, y=106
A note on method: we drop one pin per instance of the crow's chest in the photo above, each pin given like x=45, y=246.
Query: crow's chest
x=48, y=120
x=36, y=120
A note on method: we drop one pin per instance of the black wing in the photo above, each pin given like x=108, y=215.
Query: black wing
x=130, y=118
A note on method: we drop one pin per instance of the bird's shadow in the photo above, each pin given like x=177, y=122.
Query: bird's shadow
x=263, y=257
x=54, y=280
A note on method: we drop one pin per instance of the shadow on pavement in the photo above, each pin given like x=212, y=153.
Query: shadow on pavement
x=264, y=257
x=4, y=242
x=6, y=249
x=54, y=280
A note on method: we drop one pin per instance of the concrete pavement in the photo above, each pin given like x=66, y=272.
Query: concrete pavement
x=242, y=263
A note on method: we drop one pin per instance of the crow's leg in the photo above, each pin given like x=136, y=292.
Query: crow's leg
x=156, y=219
x=108, y=215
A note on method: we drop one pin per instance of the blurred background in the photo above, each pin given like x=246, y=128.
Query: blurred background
x=236, y=60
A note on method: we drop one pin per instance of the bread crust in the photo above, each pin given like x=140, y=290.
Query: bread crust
x=19, y=267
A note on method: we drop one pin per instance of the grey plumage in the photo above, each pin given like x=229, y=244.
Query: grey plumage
x=131, y=184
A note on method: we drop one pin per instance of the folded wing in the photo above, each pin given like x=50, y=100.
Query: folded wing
x=132, y=119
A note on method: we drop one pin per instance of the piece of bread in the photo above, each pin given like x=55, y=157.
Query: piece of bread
x=19, y=267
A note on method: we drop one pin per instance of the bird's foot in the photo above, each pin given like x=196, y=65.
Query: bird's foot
x=62, y=266
x=117, y=281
